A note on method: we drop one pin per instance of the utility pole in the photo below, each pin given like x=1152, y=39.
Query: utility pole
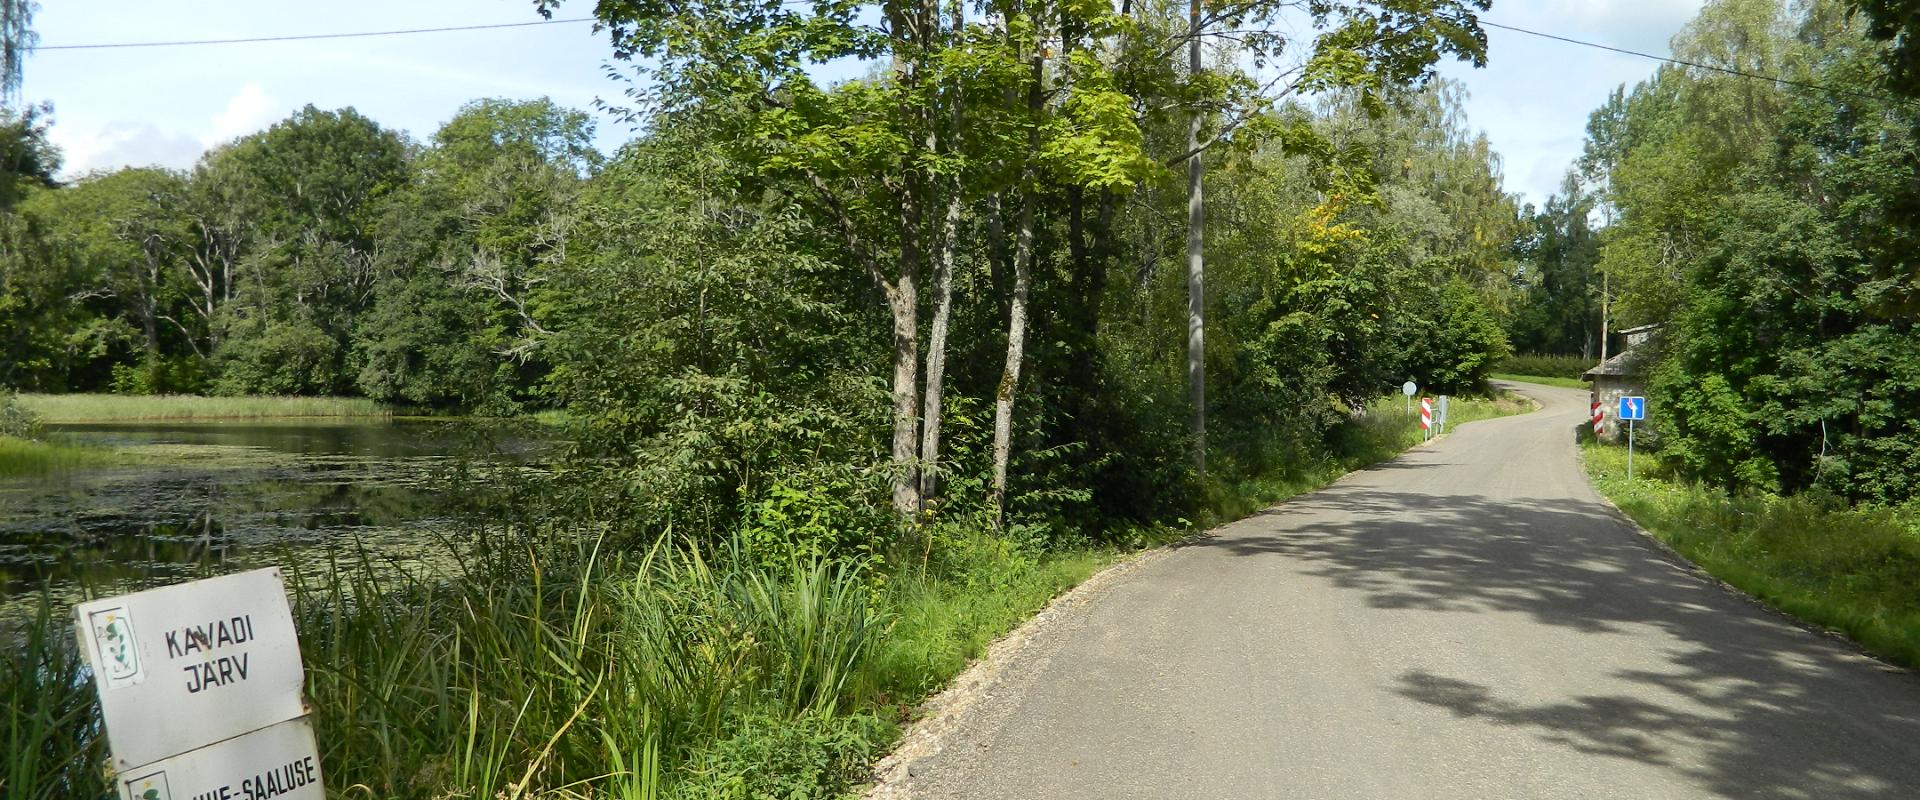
x=1606, y=296
x=1196, y=265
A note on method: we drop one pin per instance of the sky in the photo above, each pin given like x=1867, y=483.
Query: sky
x=167, y=105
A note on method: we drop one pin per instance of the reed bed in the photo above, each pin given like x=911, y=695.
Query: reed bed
x=554, y=666
x=71, y=408
x=27, y=457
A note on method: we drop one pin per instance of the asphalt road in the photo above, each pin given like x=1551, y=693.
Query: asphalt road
x=1468, y=621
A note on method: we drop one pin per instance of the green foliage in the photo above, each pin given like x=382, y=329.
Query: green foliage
x=28, y=159
x=829, y=517
x=1767, y=226
x=324, y=255
x=1461, y=345
x=279, y=357
x=1559, y=311
x=813, y=756
x=16, y=420
x=50, y=742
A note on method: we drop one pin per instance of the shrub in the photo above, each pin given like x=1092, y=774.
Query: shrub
x=15, y=420
x=814, y=756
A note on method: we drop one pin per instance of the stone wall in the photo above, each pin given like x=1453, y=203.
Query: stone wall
x=1607, y=391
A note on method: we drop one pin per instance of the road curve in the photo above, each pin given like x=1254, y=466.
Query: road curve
x=1467, y=621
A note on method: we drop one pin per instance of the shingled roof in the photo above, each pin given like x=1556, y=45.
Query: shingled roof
x=1630, y=363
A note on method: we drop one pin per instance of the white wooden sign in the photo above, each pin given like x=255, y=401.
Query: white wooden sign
x=279, y=762
x=183, y=667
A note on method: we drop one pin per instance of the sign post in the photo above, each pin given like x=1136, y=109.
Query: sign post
x=200, y=690
x=1632, y=409
x=1409, y=389
x=1443, y=413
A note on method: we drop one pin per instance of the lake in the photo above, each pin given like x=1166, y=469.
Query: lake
x=194, y=499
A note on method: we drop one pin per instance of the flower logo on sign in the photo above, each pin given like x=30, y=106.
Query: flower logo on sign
x=113, y=635
x=151, y=787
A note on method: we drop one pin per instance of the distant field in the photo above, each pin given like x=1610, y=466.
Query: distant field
x=1547, y=365
x=190, y=408
x=1545, y=380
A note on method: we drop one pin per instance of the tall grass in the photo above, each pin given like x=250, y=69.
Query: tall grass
x=1546, y=366
x=557, y=668
x=1853, y=570
x=189, y=408
x=50, y=742
x=24, y=457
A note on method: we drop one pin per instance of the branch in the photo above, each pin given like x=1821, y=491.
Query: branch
x=850, y=233
x=1235, y=124
x=183, y=330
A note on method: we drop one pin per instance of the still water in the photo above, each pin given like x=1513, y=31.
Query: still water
x=183, y=500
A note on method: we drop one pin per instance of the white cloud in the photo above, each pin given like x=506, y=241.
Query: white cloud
x=248, y=111
x=121, y=144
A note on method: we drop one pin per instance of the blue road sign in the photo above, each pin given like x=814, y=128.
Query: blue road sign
x=1633, y=408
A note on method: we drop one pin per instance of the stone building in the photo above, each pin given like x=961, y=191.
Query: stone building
x=1623, y=375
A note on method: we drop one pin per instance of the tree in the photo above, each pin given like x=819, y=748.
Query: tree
x=16, y=41
x=1765, y=224
x=123, y=233
x=308, y=190
x=463, y=251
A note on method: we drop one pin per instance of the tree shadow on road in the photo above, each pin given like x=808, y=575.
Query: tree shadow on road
x=1748, y=705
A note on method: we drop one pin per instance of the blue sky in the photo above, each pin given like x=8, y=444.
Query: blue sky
x=165, y=106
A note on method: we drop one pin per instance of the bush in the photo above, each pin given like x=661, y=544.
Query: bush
x=817, y=517
x=15, y=420
x=814, y=756
x=279, y=358
x=1462, y=345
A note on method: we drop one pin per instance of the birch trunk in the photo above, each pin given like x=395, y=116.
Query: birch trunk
x=937, y=348
x=1017, y=309
x=1016, y=353
x=932, y=409
x=903, y=301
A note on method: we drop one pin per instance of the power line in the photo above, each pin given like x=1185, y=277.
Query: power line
x=307, y=36
x=1709, y=67
x=576, y=20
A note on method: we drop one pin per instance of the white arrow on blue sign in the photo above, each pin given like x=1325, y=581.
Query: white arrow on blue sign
x=1633, y=408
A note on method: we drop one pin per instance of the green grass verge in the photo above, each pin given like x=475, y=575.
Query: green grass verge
x=57, y=408
x=1851, y=570
x=1544, y=380
x=27, y=457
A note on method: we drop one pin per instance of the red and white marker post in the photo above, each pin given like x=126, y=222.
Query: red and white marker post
x=1426, y=417
x=1599, y=420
